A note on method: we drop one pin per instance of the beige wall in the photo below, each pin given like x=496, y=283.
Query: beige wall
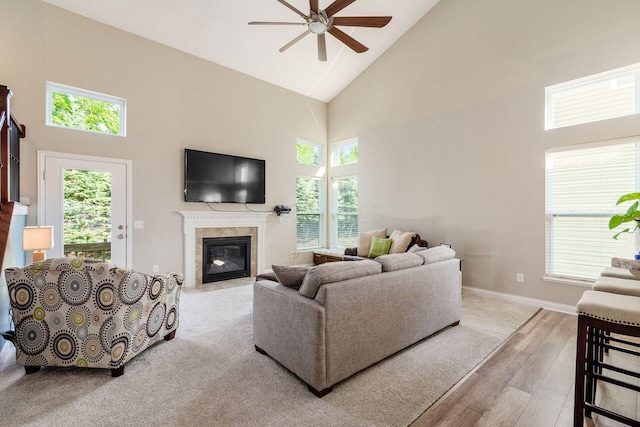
x=450, y=123
x=174, y=101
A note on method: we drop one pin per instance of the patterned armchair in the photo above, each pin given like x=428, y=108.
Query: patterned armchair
x=89, y=313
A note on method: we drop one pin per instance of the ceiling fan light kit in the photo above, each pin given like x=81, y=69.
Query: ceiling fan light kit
x=319, y=22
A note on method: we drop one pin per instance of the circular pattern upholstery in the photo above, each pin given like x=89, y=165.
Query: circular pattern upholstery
x=156, y=319
x=64, y=346
x=78, y=316
x=106, y=297
x=91, y=349
x=50, y=298
x=155, y=289
x=119, y=351
x=132, y=287
x=85, y=313
x=140, y=339
x=22, y=296
x=172, y=317
x=132, y=316
x=32, y=336
x=75, y=287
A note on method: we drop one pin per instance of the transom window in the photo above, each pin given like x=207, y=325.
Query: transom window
x=345, y=153
x=81, y=109
x=583, y=184
x=602, y=96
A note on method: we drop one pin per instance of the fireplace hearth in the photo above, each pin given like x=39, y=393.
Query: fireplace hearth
x=225, y=258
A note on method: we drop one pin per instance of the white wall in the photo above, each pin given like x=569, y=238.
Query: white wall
x=450, y=123
x=174, y=101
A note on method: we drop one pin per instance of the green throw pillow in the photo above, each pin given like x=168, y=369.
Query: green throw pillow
x=379, y=247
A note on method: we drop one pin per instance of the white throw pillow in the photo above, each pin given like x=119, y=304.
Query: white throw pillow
x=400, y=241
x=364, y=240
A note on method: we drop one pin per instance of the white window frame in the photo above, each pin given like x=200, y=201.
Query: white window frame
x=311, y=144
x=336, y=146
x=52, y=87
x=552, y=91
x=607, y=247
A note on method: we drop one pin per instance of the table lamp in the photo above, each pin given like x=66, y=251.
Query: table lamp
x=37, y=239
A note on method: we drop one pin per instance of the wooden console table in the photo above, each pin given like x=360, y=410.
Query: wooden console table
x=320, y=256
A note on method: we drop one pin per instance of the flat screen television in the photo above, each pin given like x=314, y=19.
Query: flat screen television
x=220, y=178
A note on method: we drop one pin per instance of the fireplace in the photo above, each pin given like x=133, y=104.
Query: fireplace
x=226, y=258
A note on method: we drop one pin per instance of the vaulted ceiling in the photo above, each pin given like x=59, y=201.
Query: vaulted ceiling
x=218, y=31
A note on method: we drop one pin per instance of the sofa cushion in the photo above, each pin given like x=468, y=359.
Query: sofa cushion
x=379, y=247
x=394, y=262
x=364, y=240
x=400, y=241
x=416, y=248
x=335, y=272
x=290, y=275
x=435, y=254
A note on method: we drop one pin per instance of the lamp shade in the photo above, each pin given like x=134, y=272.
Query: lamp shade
x=37, y=238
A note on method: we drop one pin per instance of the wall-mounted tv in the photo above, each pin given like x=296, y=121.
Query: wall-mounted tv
x=220, y=178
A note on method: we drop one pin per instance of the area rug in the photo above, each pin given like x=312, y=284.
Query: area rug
x=211, y=375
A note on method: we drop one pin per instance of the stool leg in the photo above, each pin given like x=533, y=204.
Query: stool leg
x=592, y=337
x=581, y=350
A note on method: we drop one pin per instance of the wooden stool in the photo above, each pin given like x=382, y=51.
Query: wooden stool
x=599, y=314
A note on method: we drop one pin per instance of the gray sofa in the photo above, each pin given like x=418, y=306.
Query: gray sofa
x=327, y=322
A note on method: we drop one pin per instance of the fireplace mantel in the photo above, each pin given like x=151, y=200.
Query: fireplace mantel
x=193, y=220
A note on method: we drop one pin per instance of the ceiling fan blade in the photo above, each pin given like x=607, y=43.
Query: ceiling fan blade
x=348, y=40
x=362, y=21
x=322, y=48
x=276, y=23
x=294, y=9
x=313, y=4
x=337, y=6
x=294, y=41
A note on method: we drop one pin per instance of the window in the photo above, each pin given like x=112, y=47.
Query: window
x=601, y=96
x=346, y=216
x=345, y=153
x=308, y=153
x=309, y=195
x=309, y=213
x=583, y=185
x=81, y=109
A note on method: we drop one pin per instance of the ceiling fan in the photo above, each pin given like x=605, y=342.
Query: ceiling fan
x=320, y=22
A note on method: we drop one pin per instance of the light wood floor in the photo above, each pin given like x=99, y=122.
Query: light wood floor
x=529, y=382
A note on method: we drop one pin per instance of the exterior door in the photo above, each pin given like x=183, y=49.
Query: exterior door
x=87, y=201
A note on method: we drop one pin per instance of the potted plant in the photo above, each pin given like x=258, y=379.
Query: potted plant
x=632, y=214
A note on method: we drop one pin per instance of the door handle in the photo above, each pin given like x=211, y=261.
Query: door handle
x=120, y=236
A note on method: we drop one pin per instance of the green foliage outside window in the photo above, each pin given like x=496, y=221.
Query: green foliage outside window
x=79, y=112
x=87, y=206
x=308, y=154
x=347, y=154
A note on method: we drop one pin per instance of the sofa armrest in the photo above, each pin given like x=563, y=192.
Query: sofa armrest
x=290, y=327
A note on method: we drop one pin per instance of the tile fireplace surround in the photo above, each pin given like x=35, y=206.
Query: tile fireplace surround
x=199, y=224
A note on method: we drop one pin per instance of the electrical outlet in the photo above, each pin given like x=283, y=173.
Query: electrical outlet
x=520, y=277
x=156, y=268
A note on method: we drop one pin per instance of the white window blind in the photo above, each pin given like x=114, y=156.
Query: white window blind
x=582, y=188
x=309, y=216
x=601, y=96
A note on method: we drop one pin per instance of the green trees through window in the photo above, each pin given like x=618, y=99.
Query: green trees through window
x=80, y=109
x=83, y=113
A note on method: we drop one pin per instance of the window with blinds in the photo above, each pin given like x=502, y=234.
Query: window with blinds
x=583, y=184
x=346, y=216
x=308, y=213
x=601, y=96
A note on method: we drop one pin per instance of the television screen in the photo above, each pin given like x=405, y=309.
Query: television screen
x=220, y=178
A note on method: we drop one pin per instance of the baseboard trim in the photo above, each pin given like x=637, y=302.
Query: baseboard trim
x=547, y=305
